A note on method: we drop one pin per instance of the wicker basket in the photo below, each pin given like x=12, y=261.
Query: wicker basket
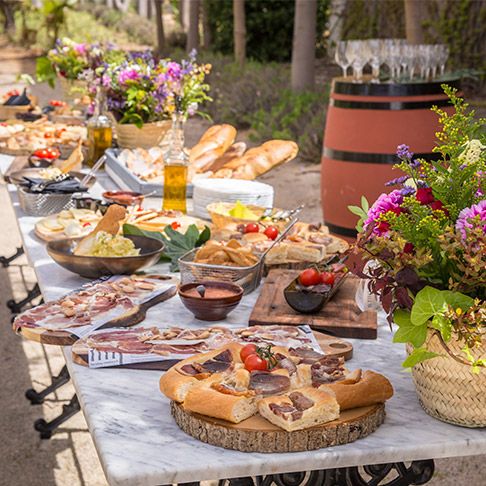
x=35, y=204
x=449, y=390
x=150, y=135
x=8, y=112
x=72, y=89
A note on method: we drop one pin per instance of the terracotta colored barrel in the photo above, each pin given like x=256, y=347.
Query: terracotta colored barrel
x=365, y=123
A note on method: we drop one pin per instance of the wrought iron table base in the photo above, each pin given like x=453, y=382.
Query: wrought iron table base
x=6, y=261
x=16, y=307
x=46, y=429
x=418, y=472
x=36, y=398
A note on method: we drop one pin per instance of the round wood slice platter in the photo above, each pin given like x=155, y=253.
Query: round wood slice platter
x=256, y=434
x=330, y=345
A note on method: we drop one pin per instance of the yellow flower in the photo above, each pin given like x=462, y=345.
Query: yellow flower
x=458, y=311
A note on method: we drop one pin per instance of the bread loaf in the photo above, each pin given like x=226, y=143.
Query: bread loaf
x=259, y=160
x=212, y=145
x=227, y=159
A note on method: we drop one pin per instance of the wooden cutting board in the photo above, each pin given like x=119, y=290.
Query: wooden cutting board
x=330, y=345
x=65, y=338
x=256, y=434
x=340, y=316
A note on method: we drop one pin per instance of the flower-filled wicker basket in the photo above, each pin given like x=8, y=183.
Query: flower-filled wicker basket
x=447, y=388
x=72, y=89
x=150, y=135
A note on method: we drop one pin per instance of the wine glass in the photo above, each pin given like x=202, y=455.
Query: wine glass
x=443, y=55
x=356, y=53
x=340, y=57
x=375, y=58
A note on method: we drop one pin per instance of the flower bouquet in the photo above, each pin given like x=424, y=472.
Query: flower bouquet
x=423, y=249
x=141, y=93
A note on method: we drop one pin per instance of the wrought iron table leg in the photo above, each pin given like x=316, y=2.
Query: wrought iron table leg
x=36, y=398
x=16, y=307
x=46, y=429
x=419, y=472
x=5, y=261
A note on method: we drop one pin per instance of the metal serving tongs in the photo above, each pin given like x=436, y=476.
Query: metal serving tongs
x=93, y=170
x=282, y=214
x=41, y=186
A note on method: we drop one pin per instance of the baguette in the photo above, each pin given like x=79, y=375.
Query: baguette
x=372, y=388
x=110, y=223
x=226, y=160
x=259, y=160
x=300, y=409
x=212, y=145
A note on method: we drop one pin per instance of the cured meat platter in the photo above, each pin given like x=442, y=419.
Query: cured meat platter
x=256, y=434
x=119, y=301
x=160, y=348
x=340, y=317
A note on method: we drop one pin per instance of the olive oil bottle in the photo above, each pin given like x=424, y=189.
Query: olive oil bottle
x=176, y=164
x=100, y=130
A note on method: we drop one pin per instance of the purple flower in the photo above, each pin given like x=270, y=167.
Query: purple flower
x=174, y=70
x=403, y=152
x=472, y=217
x=407, y=191
x=415, y=164
x=385, y=203
x=397, y=182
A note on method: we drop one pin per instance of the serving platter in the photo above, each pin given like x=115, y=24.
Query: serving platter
x=256, y=434
x=340, y=317
x=330, y=345
x=131, y=317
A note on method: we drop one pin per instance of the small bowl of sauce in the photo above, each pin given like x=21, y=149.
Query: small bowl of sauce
x=210, y=300
x=124, y=198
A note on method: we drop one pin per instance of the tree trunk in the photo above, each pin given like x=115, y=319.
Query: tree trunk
x=193, y=29
x=159, y=21
x=415, y=14
x=304, y=45
x=239, y=31
x=205, y=25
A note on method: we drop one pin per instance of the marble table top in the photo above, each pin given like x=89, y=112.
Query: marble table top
x=139, y=444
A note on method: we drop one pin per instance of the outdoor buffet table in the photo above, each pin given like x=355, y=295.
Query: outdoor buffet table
x=139, y=443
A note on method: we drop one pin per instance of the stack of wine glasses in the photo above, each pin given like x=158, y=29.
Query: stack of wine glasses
x=403, y=62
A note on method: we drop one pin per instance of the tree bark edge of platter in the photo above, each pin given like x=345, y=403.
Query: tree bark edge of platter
x=279, y=440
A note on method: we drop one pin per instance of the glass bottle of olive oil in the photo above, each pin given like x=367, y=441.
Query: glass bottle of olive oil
x=176, y=163
x=100, y=130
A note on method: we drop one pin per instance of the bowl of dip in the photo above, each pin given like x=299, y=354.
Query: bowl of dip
x=124, y=198
x=210, y=300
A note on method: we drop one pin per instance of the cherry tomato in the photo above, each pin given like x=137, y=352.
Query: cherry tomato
x=310, y=276
x=86, y=224
x=41, y=153
x=247, y=350
x=48, y=135
x=175, y=225
x=328, y=278
x=271, y=232
x=254, y=362
x=252, y=228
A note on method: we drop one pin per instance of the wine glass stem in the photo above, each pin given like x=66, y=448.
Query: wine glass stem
x=345, y=71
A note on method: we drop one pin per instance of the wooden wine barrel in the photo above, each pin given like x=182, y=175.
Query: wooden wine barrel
x=365, y=124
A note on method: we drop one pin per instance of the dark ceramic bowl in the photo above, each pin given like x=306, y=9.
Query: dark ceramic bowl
x=61, y=252
x=124, y=198
x=211, y=309
x=308, y=302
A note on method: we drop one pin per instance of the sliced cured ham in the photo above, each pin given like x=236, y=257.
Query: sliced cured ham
x=267, y=383
x=327, y=370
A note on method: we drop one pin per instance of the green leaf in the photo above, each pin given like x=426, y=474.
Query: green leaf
x=417, y=356
x=407, y=332
x=443, y=325
x=428, y=302
x=458, y=300
x=364, y=204
x=357, y=210
x=203, y=236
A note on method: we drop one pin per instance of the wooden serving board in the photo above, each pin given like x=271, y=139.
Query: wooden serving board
x=256, y=434
x=339, y=317
x=330, y=345
x=65, y=338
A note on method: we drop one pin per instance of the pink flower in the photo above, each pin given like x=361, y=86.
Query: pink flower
x=472, y=217
x=128, y=75
x=385, y=203
x=80, y=49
